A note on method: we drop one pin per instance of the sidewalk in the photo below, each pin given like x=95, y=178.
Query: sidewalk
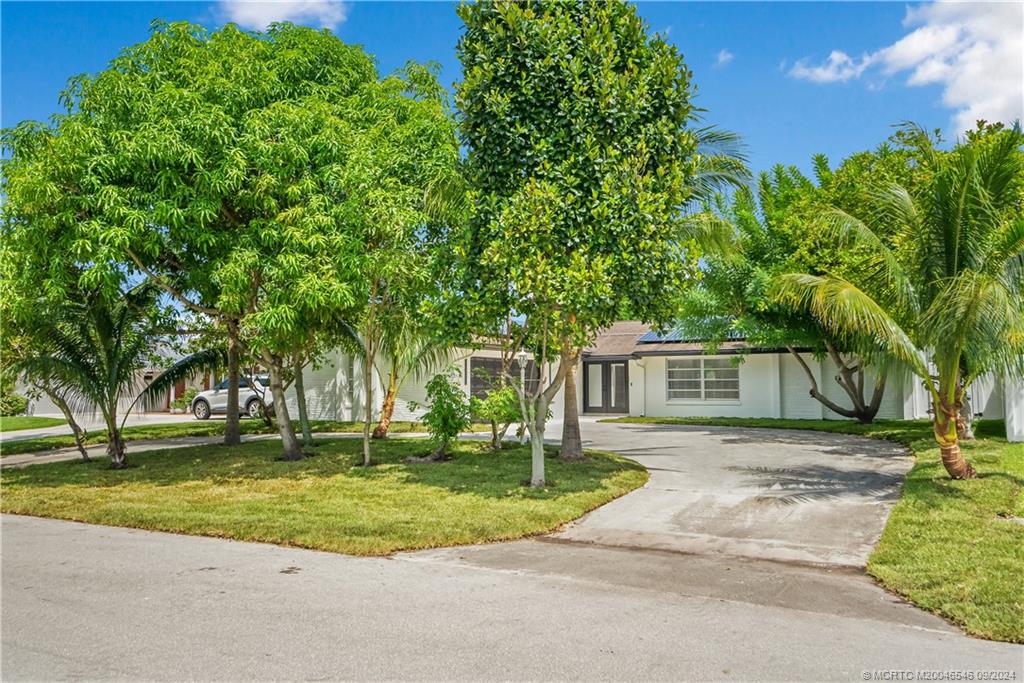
x=92, y=424
x=99, y=452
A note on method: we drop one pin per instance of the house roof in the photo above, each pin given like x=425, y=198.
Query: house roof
x=630, y=338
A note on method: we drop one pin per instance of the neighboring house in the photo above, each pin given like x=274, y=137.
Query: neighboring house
x=334, y=387
x=42, y=405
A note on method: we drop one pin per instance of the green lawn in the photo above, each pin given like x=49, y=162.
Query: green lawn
x=324, y=502
x=14, y=423
x=949, y=546
x=193, y=428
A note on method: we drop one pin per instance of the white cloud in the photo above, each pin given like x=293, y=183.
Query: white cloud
x=838, y=67
x=258, y=14
x=723, y=58
x=975, y=51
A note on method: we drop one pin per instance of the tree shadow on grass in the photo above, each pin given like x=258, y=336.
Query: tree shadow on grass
x=475, y=469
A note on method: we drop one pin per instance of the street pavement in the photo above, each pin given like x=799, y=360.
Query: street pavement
x=729, y=565
x=90, y=602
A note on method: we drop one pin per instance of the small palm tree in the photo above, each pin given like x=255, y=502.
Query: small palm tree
x=408, y=349
x=949, y=292
x=94, y=352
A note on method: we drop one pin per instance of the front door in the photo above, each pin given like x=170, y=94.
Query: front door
x=605, y=387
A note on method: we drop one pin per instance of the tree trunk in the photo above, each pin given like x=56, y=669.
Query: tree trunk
x=289, y=442
x=851, y=380
x=79, y=433
x=871, y=411
x=495, y=443
x=300, y=398
x=368, y=403
x=232, y=426
x=387, y=409
x=536, y=428
x=572, y=442
x=965, y=420
x=949, y=444
x=115, y=443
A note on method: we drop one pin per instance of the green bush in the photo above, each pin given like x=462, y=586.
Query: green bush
x=499, y=405
x=12, y=404
x=185, y=400
x=447, y=415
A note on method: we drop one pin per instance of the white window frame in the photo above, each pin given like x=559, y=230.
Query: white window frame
x=701, y=377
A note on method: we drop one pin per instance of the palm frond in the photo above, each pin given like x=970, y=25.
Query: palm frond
x=713, y=233
x=847, y=231
x=721, y=165
x=207, y=360
x=848, y=313
x=446, y=199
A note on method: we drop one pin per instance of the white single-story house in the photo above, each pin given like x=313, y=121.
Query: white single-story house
x=631, y=370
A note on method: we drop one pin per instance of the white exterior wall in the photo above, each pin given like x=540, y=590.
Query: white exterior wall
x=759, y=391
x=330, y=388
x=797, y=402
x=1013, y=401
x=986, y=397
x=771, y=385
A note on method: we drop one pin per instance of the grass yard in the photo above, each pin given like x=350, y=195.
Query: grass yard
x=192, y=428
x=14, y=423
x=951, y=547
x=324, y=502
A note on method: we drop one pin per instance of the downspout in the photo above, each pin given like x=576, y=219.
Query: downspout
x=642, y=362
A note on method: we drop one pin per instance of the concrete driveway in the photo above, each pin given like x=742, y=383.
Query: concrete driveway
x=758, y=493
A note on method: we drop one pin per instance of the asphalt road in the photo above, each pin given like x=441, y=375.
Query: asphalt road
x=90, y=602
x=651, y=592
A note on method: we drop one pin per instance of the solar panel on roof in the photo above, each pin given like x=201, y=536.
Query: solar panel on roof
x=680, y=334
x=653, y=337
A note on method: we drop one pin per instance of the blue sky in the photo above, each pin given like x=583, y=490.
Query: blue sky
x=793, y=79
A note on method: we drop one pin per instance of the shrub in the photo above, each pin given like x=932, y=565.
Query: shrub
x=500, y=407
x=12, y=404
x=185, y=400
x=447, y=415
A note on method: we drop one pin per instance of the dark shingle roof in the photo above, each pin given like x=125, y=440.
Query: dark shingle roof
x=631, y=337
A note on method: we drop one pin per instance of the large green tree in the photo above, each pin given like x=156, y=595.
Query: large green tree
x=411, y=147
x=775, y=232
x=946, y=294
x=578, y=130
x=244, y=173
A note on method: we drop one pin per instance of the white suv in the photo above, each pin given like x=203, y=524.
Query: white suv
x=250, y=392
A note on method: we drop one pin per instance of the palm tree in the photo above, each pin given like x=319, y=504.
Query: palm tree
x=408, y=348
x=95, y=349
x=949, y=292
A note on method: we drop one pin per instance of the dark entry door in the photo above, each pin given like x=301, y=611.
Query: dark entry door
x=605, y=387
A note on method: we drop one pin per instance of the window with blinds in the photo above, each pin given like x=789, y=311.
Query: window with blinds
x=702, y=379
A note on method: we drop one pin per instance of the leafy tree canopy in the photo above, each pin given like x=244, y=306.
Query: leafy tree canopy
x=579, y=153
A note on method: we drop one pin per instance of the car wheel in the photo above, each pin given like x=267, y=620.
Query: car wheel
x=201, y=410
x=252, y=409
